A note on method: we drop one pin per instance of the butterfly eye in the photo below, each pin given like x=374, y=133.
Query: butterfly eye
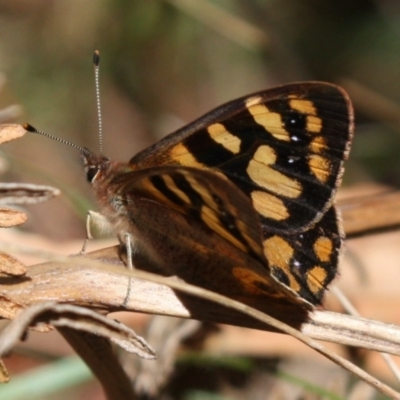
x=91, y=173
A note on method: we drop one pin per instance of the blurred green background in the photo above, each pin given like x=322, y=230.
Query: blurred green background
x=166, y=62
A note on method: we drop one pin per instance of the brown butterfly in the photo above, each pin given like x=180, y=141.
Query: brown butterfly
x=241, y=201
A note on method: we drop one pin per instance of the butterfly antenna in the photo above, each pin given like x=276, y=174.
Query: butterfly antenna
x=30, y=128
x=96, y=62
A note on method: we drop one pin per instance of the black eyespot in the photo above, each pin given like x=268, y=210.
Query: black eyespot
x=295, y=121
x=91, y=173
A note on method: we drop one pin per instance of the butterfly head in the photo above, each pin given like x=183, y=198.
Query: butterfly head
x=94, y=165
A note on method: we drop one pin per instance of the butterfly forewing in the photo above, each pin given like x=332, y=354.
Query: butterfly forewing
x=284, y=148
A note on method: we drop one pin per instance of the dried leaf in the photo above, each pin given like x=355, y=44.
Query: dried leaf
x=10, y=132
x=167, y=334
x=10, y=217
x=25, y=193
x=11, y=266
x=89, y=283
x=4, y=377
x=8, y=308
x=73, y=317
x=102, y=286
x=101, y=358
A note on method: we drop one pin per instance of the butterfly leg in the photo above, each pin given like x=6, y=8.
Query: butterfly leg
x=88, y=234
x=125, y=238
x=99, y=221
x=128, y=244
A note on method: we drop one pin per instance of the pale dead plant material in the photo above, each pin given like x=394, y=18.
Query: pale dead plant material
x=10, y=265
x=17, y=193
x=100, y=357
x=73, y=317
x=4, y=377
x=101, y=286
x=370, y=208
x=9, y=132
x=89, y=333
x=26, y=193
x=10, y=217
x=167, y=334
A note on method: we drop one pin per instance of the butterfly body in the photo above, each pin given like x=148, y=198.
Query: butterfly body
x=241, y=200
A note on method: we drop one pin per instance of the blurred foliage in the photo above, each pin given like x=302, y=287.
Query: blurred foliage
x=165, y=62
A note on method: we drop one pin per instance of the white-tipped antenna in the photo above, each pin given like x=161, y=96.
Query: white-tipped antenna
x=30, y=128
x=96, y=62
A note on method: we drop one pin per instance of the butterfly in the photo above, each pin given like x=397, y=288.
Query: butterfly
x=240, y=201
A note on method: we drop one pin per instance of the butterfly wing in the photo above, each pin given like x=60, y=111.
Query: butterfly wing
x=198, y=195
x=284, y=148
x=270, y=163
x=307, y=262
x=199, y=226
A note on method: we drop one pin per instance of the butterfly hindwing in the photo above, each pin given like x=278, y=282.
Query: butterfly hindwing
x=307, y=262
x=200, y=195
